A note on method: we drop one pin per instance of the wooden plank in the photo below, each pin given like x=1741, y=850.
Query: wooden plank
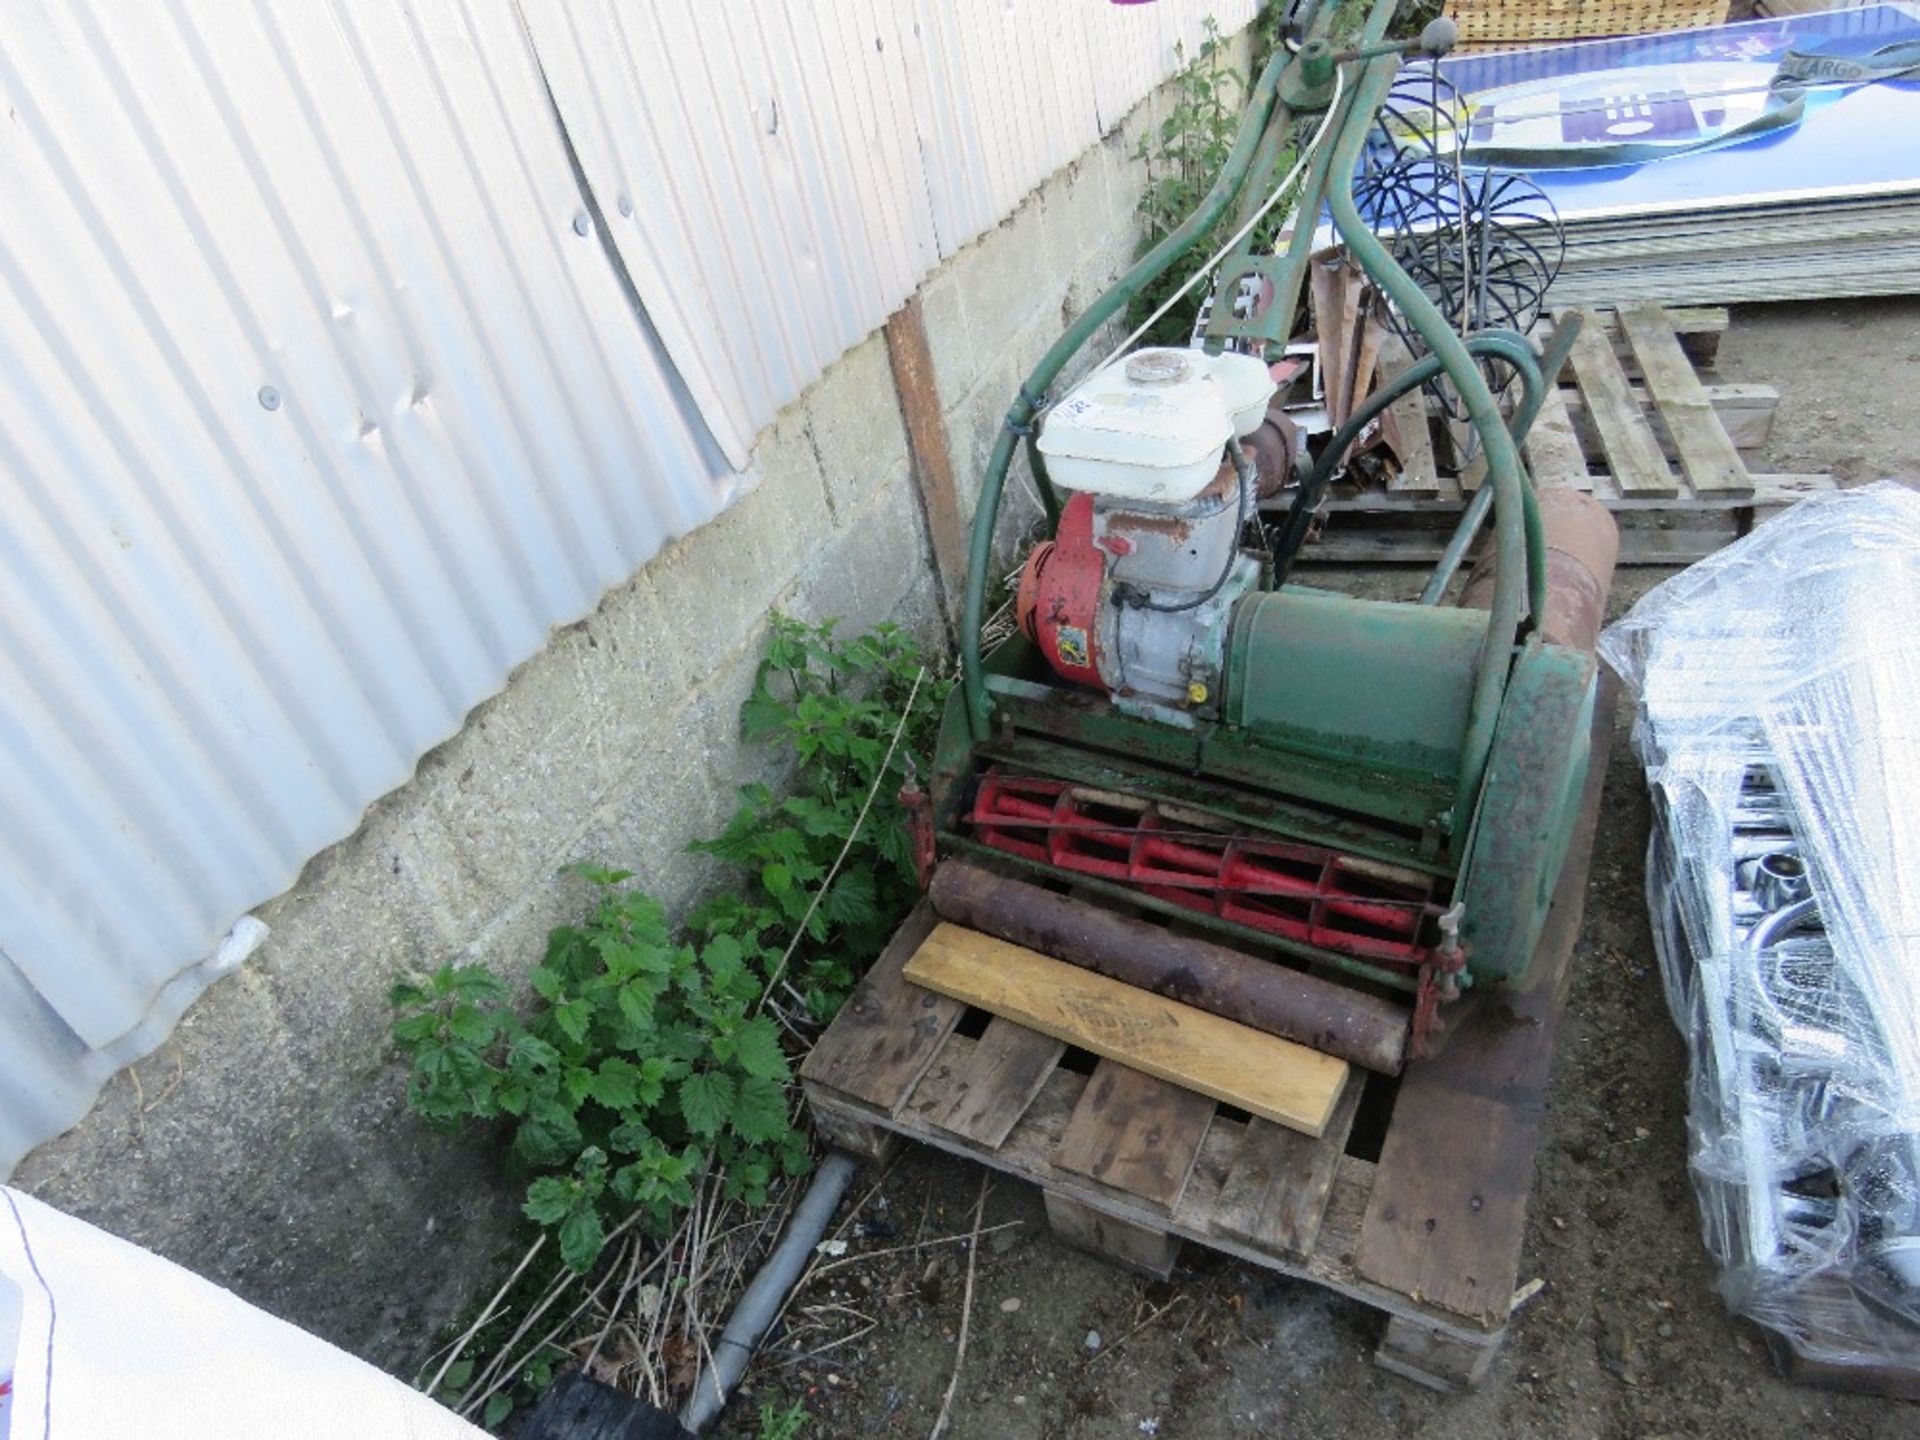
x=911, y=358
x=1372, y=334
x=983, y=1092
x=1335, y=286
x=1698, y=328
x=1633, y=454
x=1276, y=1193
x=1707, y=456
x=1260, y=1073
x=1419, y=473
x=888, y=1032
x=1135, y=1133
x=1745, y=411
x=1447, y=1214
x=1768, y=489
x=1151, y=1252
x=1554, y=457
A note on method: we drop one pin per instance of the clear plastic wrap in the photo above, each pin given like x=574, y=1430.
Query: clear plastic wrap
x=1779, y=725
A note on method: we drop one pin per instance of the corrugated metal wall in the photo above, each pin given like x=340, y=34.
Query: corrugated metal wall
x=784, y=172
x=324, y=395
x=316, y=414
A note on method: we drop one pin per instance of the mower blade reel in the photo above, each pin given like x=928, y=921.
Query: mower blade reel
x=1335, y=1019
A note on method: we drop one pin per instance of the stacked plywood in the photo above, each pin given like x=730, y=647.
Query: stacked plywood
x=1758, y=188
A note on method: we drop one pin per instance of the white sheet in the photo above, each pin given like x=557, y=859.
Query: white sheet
x=116, y=1343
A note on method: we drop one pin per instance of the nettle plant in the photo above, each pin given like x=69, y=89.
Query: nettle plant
x=1184, y=154
x=645, y=1059
x=836, y=703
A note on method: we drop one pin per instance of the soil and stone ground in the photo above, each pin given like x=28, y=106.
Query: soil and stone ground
x=1627, y=1339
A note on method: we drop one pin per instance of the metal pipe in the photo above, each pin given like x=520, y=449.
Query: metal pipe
x=1507, y=345
x=1552, y=361
x=1505, y=474
x=763, y=1297
x=1366, y=1029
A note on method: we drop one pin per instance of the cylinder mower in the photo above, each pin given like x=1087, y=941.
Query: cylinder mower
x=1375, y=792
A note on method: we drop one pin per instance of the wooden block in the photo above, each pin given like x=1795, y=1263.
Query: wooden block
x=859, y=1138
x=1447, y=1215
x=888, y=1032
x=1276, y=1193
x=1554, y=457
x=1707, y=456
x=1260, y=1073
x=1151, y=1252
x=1136, y=1134
x=983, y=1091
x=1432, y=1357
x=1633, y=454
x=1746, y=411
x=1419, y=473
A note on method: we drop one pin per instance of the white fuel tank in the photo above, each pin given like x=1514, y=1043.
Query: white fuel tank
x=1152, y=427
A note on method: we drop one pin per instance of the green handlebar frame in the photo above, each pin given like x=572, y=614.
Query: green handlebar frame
x=1518, y=589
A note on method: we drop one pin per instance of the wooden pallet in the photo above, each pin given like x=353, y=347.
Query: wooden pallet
x=1637, y=419
x=1532, y=22
x=1419, y=1215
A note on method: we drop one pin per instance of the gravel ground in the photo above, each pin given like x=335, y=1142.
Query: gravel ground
x=1626, y=1339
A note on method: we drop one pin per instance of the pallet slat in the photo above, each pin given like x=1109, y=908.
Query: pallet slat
x=1419, y=472
x=1135, y=1133
x=1707, y=455
x=1260, y=1073
x=1554, y=457
x=1633, y=454
x=1275, y=1196
x=888, y=1032
x=983, y=1093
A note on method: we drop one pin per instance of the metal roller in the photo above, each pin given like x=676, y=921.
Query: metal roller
x=1336, y=1019
x=1583, y=545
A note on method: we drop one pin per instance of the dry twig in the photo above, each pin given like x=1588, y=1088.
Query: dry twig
x=486, y=1313
x=966, y=1312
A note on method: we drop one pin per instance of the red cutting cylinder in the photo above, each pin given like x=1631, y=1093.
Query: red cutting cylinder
x=1305, y=893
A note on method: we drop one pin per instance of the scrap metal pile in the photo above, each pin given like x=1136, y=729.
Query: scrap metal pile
x=1779, y=685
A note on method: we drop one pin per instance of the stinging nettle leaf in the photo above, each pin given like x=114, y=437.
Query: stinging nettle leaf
x=705, y=1101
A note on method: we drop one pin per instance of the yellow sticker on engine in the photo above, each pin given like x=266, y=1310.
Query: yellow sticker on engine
x=1071, y=642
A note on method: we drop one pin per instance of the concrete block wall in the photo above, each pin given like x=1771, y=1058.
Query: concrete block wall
x=267, y=1145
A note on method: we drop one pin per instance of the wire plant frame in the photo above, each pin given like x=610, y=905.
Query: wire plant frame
x=1485, y=245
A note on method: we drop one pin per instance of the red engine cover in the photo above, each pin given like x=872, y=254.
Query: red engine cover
x=1059, y=596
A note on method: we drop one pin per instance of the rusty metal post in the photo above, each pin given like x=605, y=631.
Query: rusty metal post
x=1337, y=1019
